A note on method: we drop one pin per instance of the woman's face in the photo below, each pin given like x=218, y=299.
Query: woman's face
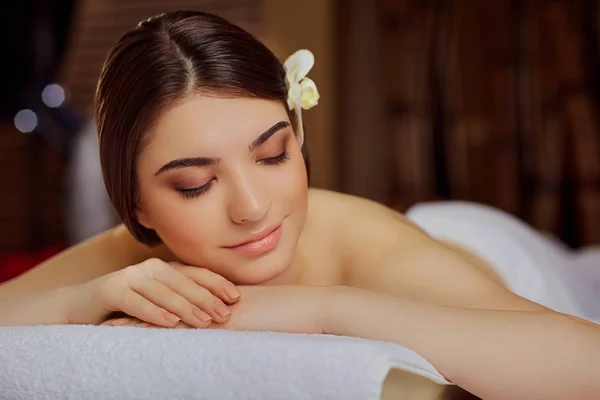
x=223, y=183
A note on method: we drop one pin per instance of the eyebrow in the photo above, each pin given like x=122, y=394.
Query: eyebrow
x=188, y=162
x=267, y=134
x=210, y=161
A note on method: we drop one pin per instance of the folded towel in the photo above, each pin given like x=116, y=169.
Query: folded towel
x=100, y=362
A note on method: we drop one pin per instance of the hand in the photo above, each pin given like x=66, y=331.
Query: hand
x=138, y=323
x=157, y=292
x=291, y=309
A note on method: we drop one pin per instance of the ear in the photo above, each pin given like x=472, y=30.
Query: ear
x=142, y=218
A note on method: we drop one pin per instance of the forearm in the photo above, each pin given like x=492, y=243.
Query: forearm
x=42, y=308
x=67, y=305
x=493, y=354
x=108, y=252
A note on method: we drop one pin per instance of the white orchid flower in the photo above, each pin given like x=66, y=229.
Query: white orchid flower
x=302, y=91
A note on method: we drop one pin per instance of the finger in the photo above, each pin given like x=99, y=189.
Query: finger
x=137, y=323
x=143, y=324
x=127, y=321
x=194, y=293
x=117, y=322
x=136, y=305
x=215, y=283
x=169, y=299
x=183, y=325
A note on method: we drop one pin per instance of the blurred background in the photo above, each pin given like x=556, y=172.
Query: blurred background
x=491, y=101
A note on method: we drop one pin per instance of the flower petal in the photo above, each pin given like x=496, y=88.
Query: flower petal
x=294, y=95
x=310, y=93
x=298, y=65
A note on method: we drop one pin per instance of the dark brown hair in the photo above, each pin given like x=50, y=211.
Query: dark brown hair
x=156, y=64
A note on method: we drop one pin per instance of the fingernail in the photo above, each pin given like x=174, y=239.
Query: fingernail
x=222, y=310
x=201, y=315
x=231, y=291
x=172, y=317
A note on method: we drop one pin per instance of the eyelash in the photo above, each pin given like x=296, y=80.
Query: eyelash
x=197, y=192
x=277, y=160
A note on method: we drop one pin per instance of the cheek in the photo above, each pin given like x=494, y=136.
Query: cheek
x=183, y=225
x=295, y=188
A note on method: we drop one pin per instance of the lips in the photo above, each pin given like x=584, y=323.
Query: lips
x=256, y=237
x=259, y=243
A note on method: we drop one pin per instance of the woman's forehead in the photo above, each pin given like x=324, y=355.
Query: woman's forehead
x=211, y=123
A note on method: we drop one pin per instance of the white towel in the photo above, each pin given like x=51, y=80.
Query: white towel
x=98, y=362
x=532, y=265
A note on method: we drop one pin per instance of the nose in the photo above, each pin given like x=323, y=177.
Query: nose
x=249, y=201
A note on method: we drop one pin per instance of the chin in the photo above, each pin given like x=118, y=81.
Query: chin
x=267, y=267
x=262, y=269
x=248, y=270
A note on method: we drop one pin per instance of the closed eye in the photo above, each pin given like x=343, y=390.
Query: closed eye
x=192, y=193
x=280, y=159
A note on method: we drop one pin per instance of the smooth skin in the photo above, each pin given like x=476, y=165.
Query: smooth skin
x=344, y=265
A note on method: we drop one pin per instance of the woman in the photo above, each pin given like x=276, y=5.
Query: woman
x=201, y=148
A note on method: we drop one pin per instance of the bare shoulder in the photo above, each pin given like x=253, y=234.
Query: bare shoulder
x=360, y=232
x=104, y=253
x=355, y=219
x=382, y=250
